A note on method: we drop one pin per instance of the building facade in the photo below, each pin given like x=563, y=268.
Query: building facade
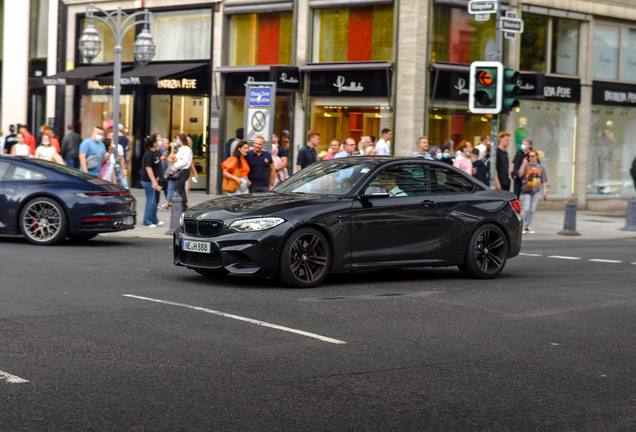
x=347, y=68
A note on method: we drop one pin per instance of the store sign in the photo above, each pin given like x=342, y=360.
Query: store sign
x=54, y=81
x=130, y=81
x=96, y=85
x=562, y=90
x=531, y=86
x=350, y=83
x=183, y=83
x=286, y=78
x=604, y=93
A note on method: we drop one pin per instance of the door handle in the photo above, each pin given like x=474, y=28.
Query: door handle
x=429, y=204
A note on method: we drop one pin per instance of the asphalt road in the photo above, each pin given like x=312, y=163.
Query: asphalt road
x=548, y=346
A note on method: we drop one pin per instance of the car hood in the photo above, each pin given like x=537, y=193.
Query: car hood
x=255, y=205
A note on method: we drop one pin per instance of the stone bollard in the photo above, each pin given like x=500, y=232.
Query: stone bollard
x=569, y=224
x=176, y=211
x=630, y=218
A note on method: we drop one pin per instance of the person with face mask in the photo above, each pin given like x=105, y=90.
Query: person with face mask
x=46, y=151
x=92, y=153
x=462, y=161
x=445, y=155
x=522, y=153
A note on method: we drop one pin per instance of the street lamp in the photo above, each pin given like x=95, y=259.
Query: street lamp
x=119, y=23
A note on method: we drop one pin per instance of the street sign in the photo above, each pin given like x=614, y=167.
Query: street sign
x=511, y=25
x=509, y=35
x=260, y=106
x=482, y=17
x=482, y=6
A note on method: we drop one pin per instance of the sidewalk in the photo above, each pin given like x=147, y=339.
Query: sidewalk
x=546, y=224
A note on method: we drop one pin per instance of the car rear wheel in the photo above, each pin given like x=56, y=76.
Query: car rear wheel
x=487, y=253
x=304, y=259
x=43, y=221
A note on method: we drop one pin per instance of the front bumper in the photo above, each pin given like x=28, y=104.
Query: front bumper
x=254, y=253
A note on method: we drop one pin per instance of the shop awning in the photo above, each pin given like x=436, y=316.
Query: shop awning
x=342, y=66
x=72, y=77
x=286, y=77
x=152, y=73
x=449, y=67
x=240, y=7
x=242, y=69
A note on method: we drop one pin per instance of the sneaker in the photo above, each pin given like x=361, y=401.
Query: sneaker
x=528, y=230
x=150, y=226
x=161, y=223
x=163, y=207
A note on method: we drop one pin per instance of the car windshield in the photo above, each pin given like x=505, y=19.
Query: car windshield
x=63, y=169
x=326, y=178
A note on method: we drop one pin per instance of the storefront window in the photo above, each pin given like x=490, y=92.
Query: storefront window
x=534, y=43
x=353, y=34
x=456, y=125
x=107, y=53
x=236, y=115
x=628, y=64
x=97, y=110
x=459, y=38
x=39, y=29
x=551, y=126
x=340, y=119
x=182, y=35
x=606, y=52
x=180, y=114
x=611, y=151
x=565, y=46
x=261, y=39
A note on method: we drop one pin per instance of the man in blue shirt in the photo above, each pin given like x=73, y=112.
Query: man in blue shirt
x=422, y=149
x=92, y=151
x=262, y=171
x=348, y=148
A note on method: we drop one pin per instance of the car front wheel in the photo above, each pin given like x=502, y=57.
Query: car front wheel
x=43, y=221
x=304, y=259
x=487, y=253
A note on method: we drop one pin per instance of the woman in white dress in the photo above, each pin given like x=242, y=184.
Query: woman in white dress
x=20, y=149
x=46, y=151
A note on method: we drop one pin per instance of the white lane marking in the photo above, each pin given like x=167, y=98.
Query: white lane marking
x=12, y=378
x=529, y=254
x=606, y=261
x=634, y=263
x=564, y=257
x=240, y=318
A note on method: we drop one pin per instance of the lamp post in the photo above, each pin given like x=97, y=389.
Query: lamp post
x=119, y=23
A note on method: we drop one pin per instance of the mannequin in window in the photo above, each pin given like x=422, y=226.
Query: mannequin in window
x=603, y=155
x=521, y=133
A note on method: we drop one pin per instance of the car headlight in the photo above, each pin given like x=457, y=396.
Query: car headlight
x=181, y=219
x=257, y=224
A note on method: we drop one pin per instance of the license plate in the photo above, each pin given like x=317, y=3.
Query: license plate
x=129, y=220
x=195, y=246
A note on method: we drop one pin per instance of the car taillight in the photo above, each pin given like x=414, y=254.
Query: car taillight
x=515, y=206
x=102, y=194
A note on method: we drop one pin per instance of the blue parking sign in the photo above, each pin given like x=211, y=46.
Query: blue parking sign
x=260, y=96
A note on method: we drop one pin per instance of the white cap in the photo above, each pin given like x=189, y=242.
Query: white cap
x=121, y=127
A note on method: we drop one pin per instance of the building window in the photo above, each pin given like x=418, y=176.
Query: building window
x=628, y=63
x=611, y=152
x=182, y=35
x=39, y=29
x=107, y=53
x=261, y=39
x=606, y=52
x=551, y=126
x=459, y=38
x=549, y=45
x=353, y=34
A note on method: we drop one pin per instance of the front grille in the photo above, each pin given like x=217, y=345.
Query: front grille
x=190, y=226
x=213, y=259
x=202, y=229
x=209, y=228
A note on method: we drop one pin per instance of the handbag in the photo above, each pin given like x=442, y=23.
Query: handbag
x=526, y=189
x=230, y=185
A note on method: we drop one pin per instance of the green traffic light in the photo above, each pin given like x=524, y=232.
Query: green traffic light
x=511, y=75
x=511, y=89
x=509, y=104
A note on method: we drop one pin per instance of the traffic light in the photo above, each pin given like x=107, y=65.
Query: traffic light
x=485, y=87
x=510, y=89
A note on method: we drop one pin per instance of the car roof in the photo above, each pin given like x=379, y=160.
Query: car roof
x=384, y=160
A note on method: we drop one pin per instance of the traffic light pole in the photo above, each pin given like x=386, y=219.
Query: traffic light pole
x=494, y=130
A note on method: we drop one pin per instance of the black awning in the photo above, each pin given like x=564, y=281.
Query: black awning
x=72, y=77
x=242, y=69
x=152, y=73
x=287, y=78
x=342, y=66
x=449, y=67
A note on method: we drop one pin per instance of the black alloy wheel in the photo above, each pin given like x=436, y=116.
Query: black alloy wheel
x=486, y=254
x=304, y=259
x=43, y=221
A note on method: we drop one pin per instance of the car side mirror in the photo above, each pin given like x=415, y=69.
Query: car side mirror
x=375, y=192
